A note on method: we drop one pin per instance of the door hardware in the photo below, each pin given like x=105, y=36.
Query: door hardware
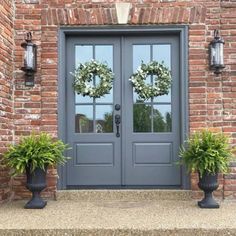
x=117, y=107
x=117, y=121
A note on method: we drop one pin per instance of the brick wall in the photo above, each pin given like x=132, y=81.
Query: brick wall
x=228, y=87
x=6, y=97
x=211, y=98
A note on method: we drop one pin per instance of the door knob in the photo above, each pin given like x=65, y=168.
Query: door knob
x=117, y=107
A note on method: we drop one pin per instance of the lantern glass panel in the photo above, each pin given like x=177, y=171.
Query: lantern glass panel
x=25, y=58
x=221, y=54
x=217, y=55
x=213, y=55
x=29, y=57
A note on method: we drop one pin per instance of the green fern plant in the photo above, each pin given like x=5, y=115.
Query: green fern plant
x=206, y=152
x=35, y=151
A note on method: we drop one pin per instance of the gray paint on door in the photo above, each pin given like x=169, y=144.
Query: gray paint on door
x=161, y=147
x=96, y=156
x=136, y=158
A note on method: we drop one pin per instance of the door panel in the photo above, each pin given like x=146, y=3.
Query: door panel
x=145, y=153
x=146, y=150
x=87, y=153
x=151, y=127
x=90, y=128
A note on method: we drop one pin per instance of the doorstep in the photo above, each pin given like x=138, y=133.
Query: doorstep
x=118, y=217
x=124, y=195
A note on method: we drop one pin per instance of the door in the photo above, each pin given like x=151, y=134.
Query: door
x=145, y=151
x=151, y=132
x=96, y=150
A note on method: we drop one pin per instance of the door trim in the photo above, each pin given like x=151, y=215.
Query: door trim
x=180, y=30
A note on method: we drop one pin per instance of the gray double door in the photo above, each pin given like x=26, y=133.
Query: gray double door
x=118, y=139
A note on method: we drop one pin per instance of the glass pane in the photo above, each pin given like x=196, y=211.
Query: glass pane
x=83, y=119
x=142, y=117
x=83, y=53
x=136, y=97
x=148, y=81
x=83, y=99
x=104, y=119
x=104, y=54
x=163, y=98
x=162, y=53
x=162, y=120
x=141, y=53
x=107, y=98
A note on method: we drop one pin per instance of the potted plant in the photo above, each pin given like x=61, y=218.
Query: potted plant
x=208, y=154
x=32, y=155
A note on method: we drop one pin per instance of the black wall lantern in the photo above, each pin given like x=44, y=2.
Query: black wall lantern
x=217, y=53
x=30, y=59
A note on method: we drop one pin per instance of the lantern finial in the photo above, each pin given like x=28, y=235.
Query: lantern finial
x=216, y=34
x=28, y=37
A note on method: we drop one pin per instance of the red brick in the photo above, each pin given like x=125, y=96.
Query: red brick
x=6, y=94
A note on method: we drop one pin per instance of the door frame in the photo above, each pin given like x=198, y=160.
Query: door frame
x=180, y=30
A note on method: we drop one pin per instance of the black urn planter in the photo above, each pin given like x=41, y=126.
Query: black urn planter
x=36, y=182
x=208, y=183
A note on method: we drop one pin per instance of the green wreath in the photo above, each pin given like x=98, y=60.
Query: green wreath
x=85, y=73
x=161, y=83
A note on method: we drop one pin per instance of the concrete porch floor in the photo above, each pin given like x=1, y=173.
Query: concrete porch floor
x=118, y=217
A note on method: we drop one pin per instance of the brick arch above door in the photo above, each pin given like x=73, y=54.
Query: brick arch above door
x=105, y=14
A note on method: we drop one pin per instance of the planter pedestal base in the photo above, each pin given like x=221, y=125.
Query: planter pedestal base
x=36, y=202
x=36, y=182
x=208, y=183
x=208, y=202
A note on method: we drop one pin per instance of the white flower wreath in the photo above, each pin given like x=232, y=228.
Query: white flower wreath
x=85, y=73
x=161, y=83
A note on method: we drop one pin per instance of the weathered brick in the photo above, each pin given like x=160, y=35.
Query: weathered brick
x=6, y=94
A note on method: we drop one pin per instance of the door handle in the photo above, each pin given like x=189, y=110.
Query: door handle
x=117, y=121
